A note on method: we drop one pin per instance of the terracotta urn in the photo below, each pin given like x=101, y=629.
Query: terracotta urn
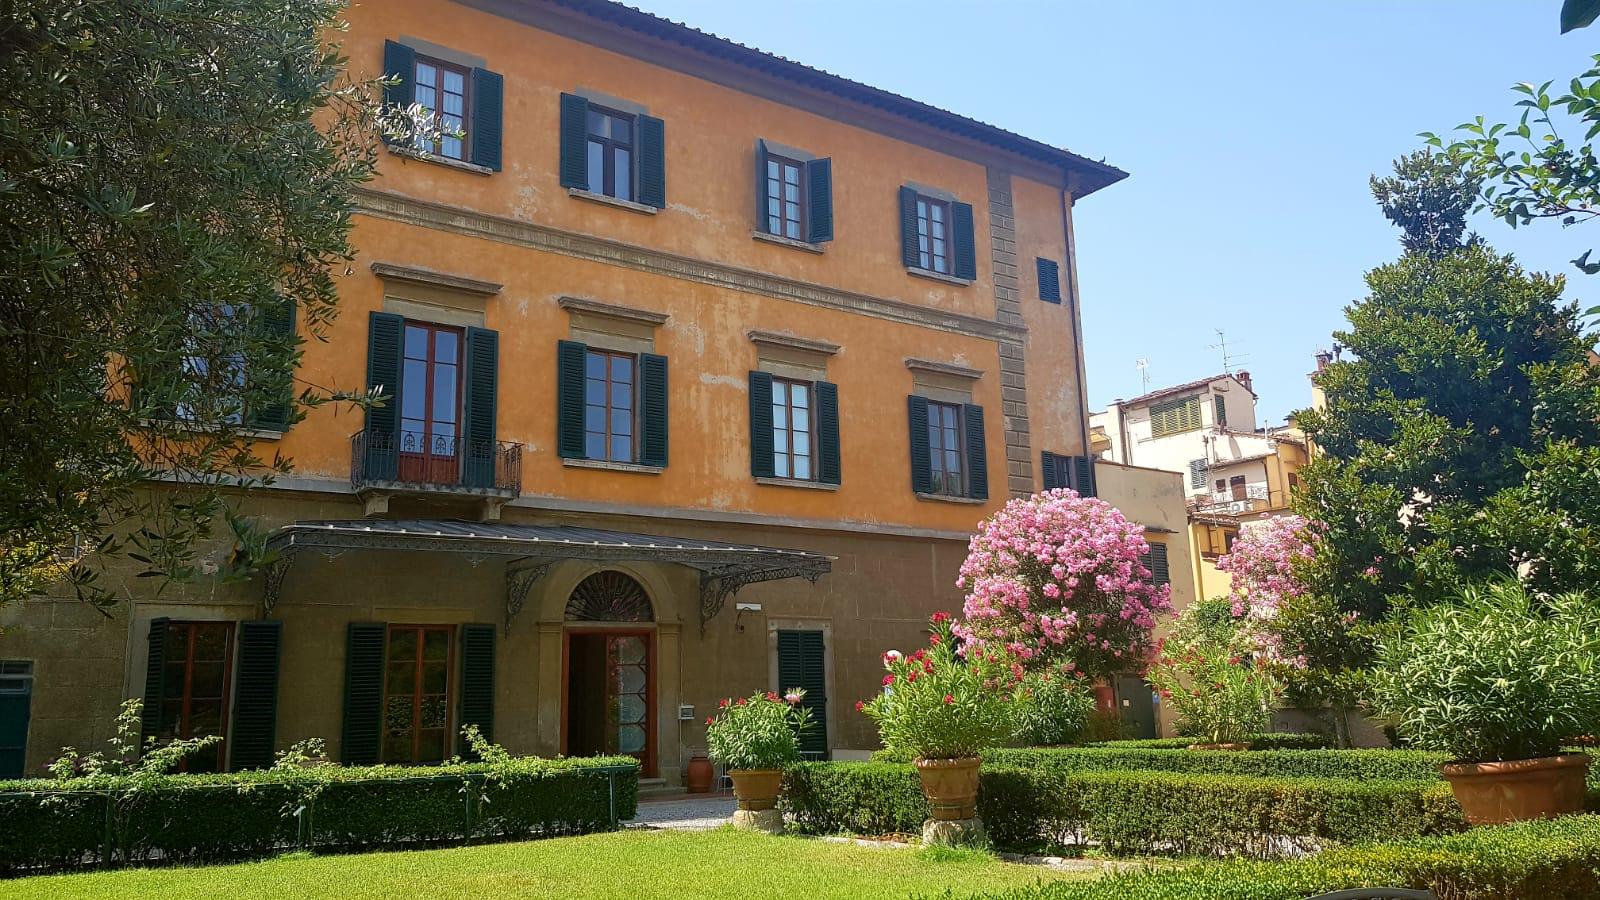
x=697, y=780
x=1493, y=793
x=951, y=786
x=756, y=789
x=1224, y=746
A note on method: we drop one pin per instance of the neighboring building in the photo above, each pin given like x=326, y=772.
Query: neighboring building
x=1155, y=499
x=1234, y=470
x=704, y=364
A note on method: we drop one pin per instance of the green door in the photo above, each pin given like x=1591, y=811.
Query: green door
x=1136, y=706
x=16, y=688
x=802, y=664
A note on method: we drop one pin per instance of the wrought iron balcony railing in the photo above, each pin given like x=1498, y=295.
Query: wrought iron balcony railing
x=437, y=463
x=1237, y=501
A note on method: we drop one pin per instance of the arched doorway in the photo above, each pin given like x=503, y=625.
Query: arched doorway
x=608, y=701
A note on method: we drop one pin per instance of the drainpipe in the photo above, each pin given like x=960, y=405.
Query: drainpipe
x=1077, y=328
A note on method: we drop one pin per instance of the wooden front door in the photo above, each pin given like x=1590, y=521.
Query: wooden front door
x=430, y=405
x=609, y=696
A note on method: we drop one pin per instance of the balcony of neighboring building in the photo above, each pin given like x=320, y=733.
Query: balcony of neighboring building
x=1238, y=499
x=443, y=467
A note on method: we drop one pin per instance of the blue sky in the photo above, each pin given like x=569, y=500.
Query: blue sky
x=1249, y=130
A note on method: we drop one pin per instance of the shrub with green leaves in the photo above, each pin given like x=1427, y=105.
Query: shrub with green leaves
x=938, y=705
x=1052, y=709
x=761, y=731
x=1269, y=741
x=1499, y=675
x=1205, y=671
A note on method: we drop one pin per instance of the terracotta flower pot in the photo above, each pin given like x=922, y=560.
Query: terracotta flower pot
x=1492, y=793
x=951, y=786
x=1240, y=746
x=697, y=780
x=756, y=789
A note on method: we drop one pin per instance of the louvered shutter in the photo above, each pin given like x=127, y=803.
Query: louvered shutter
x=827, y=433
x=1199, y=473
x=574, y=162
x=977, y=455
x=481, y=399
x=921, y=452
x=275, y=320
x=963, y=241
x=255, y=693
x=653, y=409
x=1220, y=405
x=155, y=684
x=399, y=64
x=908, y=228
x=1049, y=280
x=761, y=464
x=802, y=663
x=363, y=693
x=477, y=681
x=652, y=161
x=761, y=188
x=487, y=101
x=1050, y=464
x=1083, y=476
x=819, y=184
x=570, y=358
x=384, y=334
x=1160, y=573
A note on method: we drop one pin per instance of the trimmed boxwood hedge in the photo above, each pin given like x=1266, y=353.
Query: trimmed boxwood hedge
x=1273, y=741
x=1129, y=811
x=1394, y=765
x=1550, y=860
x=200, y=818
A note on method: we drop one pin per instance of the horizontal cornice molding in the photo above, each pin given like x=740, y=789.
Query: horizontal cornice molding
x=943, y=368
x=470, y=223
x=790, y=342
x=415, y=275
x=612, y=311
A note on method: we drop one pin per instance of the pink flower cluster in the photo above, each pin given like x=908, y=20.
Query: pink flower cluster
x=1262, y=564
x=1060, y=578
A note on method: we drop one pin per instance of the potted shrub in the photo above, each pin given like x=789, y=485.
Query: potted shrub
x=1500, y=681
x=1218, y=691
x=943, y=711
x=754, y=738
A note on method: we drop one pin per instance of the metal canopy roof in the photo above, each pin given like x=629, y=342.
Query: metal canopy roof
x=532, y=549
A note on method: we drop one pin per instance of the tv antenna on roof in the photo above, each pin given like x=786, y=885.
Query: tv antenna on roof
x=1228, y=357
x=1143, y=365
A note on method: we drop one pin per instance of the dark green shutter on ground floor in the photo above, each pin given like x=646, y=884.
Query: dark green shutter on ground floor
x=15, y=703
x=255, y=692
x=155, y=671
x=363, y=693
x=802, y=664
x=477, y=681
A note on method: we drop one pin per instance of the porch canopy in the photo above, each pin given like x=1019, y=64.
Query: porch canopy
x=530, y=551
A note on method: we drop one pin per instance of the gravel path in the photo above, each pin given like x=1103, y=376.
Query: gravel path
x=695, y=814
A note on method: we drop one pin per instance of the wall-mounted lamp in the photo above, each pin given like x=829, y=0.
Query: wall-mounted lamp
x=739, y=610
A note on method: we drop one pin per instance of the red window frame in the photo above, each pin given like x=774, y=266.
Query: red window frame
x=434, y=462
x=947, y=452
x=933, y=234
x=611, y=404
x=445, y=143
x=776, y=180
x=418, y=663
x=181, y=725
x=784, y=444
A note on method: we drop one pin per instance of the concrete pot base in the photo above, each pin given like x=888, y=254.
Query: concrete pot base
x=769, y=821
x=954, y=833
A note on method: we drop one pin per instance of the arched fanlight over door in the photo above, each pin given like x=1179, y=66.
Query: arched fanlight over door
x=609, y=597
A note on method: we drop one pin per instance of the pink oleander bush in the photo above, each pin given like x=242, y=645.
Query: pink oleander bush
x=1059, y=580
x=1262, y=563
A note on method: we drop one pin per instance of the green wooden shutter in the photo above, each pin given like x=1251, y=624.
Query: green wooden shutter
x=921, y=452
x=155, y=682
x=653, y=409
x=570, y=359
x=761, y=465
x=1160, y=572
x=384, y=334
x=962, y=241
x=1050, y=465
x=477, y=681
x=574, y=142
x=1083, y=476
x=363, y=693
x=1049, y=280
x=819, y=184
x=802, y=663
x=977, y=455
x=652, y=161
x=15, y=708
x=275, y=319
x=487, y=101
x=827, y=432
x=481, y=399
x=1220, y=404
x=761, y=187
x=255, y=695
x=400, y=64
x=908, y=229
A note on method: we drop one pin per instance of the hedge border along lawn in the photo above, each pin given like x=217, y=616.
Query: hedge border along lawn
x=201, y=818
x=1549, y=860
x=1391, y=765
x=1130, y=811
x=1257, y=742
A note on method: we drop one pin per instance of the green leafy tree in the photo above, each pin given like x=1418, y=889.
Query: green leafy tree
x=1428, y=198
x=175, y=190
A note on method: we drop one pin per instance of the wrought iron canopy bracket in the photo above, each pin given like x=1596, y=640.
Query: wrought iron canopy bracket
x=520, y=578
x=716, y=589
x=272, y=588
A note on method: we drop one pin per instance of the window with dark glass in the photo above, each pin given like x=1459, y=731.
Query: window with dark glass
x=1237, y=486
x=430, y=403
x=441, y=89
x=213, y=367
x=416, y=694
x=946, y=448
x=610, y=153
x=933, y=244
x=792, y=434
x=786, y=193
x=198, y=657
x=608, y=414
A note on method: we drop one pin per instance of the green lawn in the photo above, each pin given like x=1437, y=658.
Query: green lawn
x=631, y=864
